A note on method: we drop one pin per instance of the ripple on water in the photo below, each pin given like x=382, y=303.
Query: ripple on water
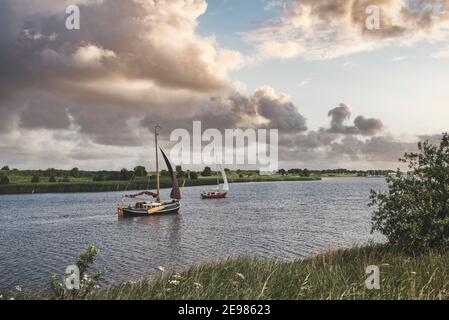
x=41, y=234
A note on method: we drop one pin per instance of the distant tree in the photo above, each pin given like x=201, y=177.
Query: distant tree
x=193, y=175
x=35, y=179
x=282, y=172
x=52, y=179
x=181, y=175
x=178, y=169
x=306, y=173
x=207, y=172
x=240, y=175
x=99, y=177
x=140, y=171
x=50, y=172
x=414, y=213
x=125, y=174
x=165, y=173
x=4, y=180
x=5, y=168
x=75, y=172
x=66, y=179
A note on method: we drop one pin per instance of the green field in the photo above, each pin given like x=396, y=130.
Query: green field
x=20, y=184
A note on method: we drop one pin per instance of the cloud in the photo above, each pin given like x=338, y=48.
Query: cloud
x=131, y=57
x=265, y=108
x=77, y=96
x=362, y=125
x=326, y=29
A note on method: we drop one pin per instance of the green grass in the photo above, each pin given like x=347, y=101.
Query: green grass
x=22, y=185
x=335, y=275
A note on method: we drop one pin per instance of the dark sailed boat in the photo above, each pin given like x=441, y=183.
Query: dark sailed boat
x=149, y=208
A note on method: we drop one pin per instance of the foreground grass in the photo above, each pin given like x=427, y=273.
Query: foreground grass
x=333, y=275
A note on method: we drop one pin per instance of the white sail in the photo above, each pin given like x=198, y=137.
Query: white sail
x=225, y=180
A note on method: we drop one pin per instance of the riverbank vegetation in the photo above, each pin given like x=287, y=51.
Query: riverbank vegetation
x=14, y=181
x=60, y=181
x=335, y=275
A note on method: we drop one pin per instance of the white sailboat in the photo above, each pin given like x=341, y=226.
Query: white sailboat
x=221, y=191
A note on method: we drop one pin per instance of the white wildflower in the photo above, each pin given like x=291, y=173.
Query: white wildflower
x=197, y=285
x=11, y=299
x=177, y=276
x=161, y=269
x=174, y=282
x=241, y=276
x=19, y=288
x=1, y=296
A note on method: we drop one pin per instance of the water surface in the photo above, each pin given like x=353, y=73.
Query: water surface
x=42, y=234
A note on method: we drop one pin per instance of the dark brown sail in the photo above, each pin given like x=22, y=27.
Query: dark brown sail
x=175, y=192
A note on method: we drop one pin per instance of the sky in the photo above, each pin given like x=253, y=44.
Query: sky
x=341, y=94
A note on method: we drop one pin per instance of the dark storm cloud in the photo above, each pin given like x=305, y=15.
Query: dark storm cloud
x=51, y=77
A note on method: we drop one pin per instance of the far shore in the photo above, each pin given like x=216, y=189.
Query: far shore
x=138, y=184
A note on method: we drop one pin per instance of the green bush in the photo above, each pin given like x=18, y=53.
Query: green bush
x=52, y=179
x=4, y=180
x=87, y=284
x=193, y=175
x=414, y=213
x=35, y=179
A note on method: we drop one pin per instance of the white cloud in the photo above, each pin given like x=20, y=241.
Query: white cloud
x=326, y=29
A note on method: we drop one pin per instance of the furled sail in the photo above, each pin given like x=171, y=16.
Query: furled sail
x=144, y=193
x=175, y=192
x=225, y=181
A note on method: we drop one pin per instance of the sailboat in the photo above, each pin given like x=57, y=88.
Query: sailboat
x=155, y=206
x=220, y=192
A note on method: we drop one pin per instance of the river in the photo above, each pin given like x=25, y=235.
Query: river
x=41, y=234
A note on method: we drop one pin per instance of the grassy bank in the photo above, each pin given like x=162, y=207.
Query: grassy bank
x=333, y=275
x=137, y=184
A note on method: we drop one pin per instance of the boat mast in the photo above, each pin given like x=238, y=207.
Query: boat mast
x=158, y=181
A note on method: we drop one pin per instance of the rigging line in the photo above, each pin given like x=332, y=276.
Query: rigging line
x=129, y=182
x=149, y=180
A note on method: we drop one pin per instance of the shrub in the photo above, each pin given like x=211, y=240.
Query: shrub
x=35, y=179
x=207, y=172
x=87, y=284
x=4, y=180
x=414, y=213
x=99, y=177
x=75, y=172
x=52, y=179
x=193, y=175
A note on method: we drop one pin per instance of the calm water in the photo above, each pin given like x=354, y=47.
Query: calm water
x=41, y=234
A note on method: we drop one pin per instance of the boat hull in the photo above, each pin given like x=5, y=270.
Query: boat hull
x=166, y=208
x=214, y=196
